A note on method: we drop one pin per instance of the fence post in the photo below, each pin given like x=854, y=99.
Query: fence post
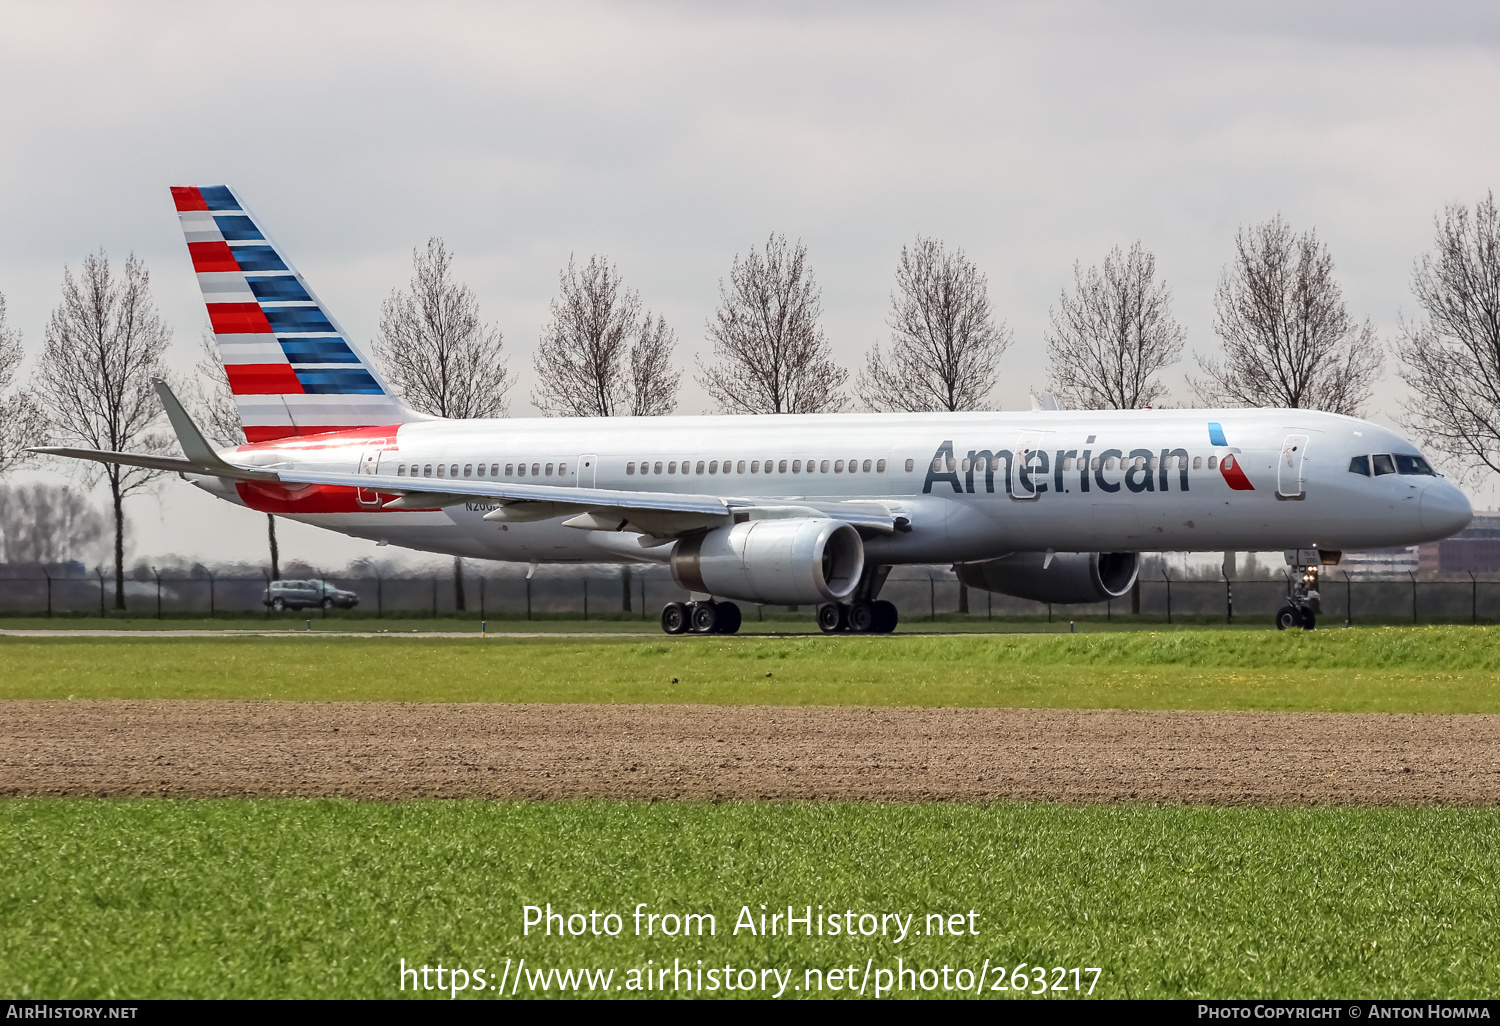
x=643, y=597
x=158, y=591
x=528, y=596
x=100, y=571
x=1228, y=597
x=1348, y=600
x=481, y=597
x=1168, y=578
x=1473, y=598
x=585, y=599
x=932, y=596
x=49, y=591
x=267, y=575
x=211, y=605
x=1413, y=595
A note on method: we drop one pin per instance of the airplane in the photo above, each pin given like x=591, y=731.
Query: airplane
x=1046, y=504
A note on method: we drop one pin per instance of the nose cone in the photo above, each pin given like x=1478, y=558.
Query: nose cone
x=1445, y=510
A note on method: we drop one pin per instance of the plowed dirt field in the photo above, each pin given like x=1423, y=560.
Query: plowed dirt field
x=397, y=750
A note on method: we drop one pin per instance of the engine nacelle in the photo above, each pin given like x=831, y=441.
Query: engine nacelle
x=795, y=561
x=1070, y=577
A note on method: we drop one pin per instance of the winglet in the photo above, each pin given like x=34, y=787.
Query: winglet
x=194, y=446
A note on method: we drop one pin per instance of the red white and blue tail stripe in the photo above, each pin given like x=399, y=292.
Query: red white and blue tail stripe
x=292, y=369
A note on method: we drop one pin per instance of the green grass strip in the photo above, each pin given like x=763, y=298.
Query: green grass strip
x=1421, y=669
x=323, y=898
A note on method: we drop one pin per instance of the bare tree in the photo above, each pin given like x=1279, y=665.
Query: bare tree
x=1113, y=334
x=47, y=523
x=1288, y=339
x=103, y=350
x=599, y=355
x=1453, y=355
x=439, y=355
x=220, y=417
x=21, y=421
x=945, y=344
x=770, y=354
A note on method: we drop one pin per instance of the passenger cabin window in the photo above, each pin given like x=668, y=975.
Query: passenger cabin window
x=629, y=469
x=1197, y=462
x=1213, y=461
x=441, y=468
x=401, y=470
x=1360, y=465
x=781, y=467
x=509, y=470
x=468, y=470
x=479, y=470
x=494, y=470
x=1383, y=464
x=549, y=470
x=880, y=467
x=521, y=470
x=909, y=465
x=1413, y=465
x=740, y=467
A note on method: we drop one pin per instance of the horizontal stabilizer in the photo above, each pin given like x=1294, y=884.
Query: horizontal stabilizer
x=169, y=463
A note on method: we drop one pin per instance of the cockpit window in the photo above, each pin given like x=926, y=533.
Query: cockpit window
x=1412, y=465
x=1383, y=464
x=1360, y=465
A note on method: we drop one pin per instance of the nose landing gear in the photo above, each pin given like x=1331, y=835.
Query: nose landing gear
x=1303, y=602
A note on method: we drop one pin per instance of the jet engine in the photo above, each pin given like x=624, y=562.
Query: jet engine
x=1067, y=578
x=783, y=562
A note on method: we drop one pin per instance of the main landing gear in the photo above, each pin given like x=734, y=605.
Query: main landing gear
x=859, y=617
x=866, y=613
x=707, y=617
x=1303, y=602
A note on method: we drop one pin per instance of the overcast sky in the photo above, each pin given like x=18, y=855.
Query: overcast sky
x=669, y=137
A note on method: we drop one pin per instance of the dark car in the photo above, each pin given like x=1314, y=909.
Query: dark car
x=308, y=594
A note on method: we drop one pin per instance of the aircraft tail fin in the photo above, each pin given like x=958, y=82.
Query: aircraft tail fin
x=293, y=370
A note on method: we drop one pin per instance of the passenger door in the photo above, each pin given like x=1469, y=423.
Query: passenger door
x=1289, y=467
x=369, y=464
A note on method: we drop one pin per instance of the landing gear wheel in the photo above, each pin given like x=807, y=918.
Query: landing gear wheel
x=830, y=617
x=1288, y=618
x=705, y=617
x=729, y=618
x=674, y=618
x=862, y=618
x=1309, y=621
x=279, y=605
x=885, y=616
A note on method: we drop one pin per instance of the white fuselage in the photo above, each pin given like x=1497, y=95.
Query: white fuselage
x=1154, y=480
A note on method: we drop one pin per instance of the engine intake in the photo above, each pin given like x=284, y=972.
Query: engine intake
x=783, y=562
x=1071, y=577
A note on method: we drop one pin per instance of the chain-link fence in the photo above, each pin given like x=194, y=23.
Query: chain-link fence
x=919, y=593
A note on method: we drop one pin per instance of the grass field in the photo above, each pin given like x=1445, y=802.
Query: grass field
x=322, y=898
x=1421, y=669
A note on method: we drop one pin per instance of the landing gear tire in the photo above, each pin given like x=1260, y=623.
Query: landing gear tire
x=1309, y=621
x=885, y=616
x=861, y=618
x=279, y=605
x=1288, y=618
x=831, y=618
x=705, y=617
x=729, y=618
x=674, y=618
